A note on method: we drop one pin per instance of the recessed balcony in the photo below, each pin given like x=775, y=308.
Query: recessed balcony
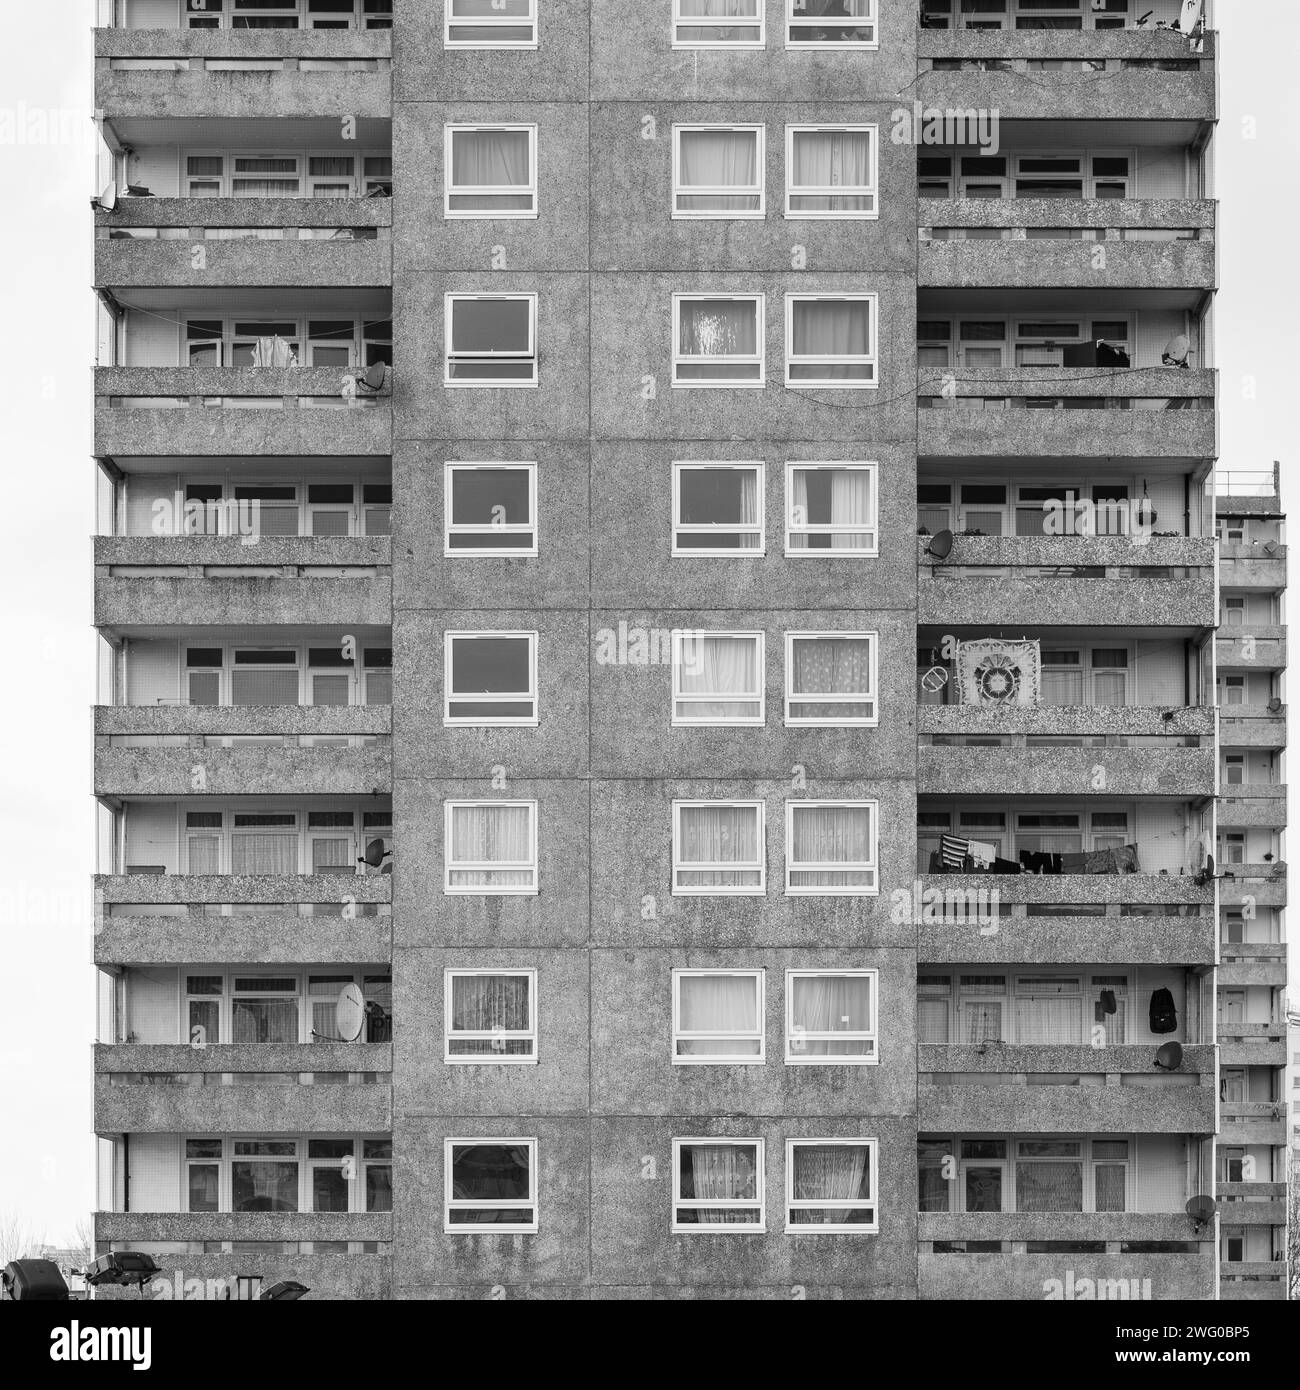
x=1066, y=412
x=1253, y=565
x=1252, y=806
x=1139, y=74
x=1252, y=1122
x=1252, y=726
x=232, y=72
x=206, y=242
x=1139, y=243
x=1121, y=580
x=1252, y=647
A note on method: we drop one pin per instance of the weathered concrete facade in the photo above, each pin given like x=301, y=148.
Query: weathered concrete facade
x=604, y=924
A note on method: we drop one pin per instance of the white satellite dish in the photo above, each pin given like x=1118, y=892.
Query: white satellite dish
x=1191, y=15
x=350, y=1014
x=107, y=200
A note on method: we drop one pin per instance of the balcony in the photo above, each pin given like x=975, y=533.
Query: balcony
x=1253, y=565
x=1174, y=934
x=1247, y=963
x=1252, y=1044
x=1252, y=1121
x=1252, y=726
x=209, y=580
x=1136, y=412
x=1143, y=74
x=184, y=1091
x=243, y=411
x=1253, y=647
x=1100, y=1090
x=1078, y=580
x=1010, y=770
x=285, y=919
x=1252, y=1203
x=1258, y=1281
x=153, y=751
x=324, y=241
x=1264, y=884
x=1247, y=806
x=1140, y=243
x=230, y=73
x=140, y=1227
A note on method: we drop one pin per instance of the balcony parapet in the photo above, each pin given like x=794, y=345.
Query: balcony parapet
x=234, y=1057
x=218, y=720
x=242, y=888
x=141, y=1226
x=199, y=213
x=1067, y=720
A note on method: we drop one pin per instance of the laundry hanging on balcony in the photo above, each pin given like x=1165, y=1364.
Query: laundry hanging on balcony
x=991, y=671
x=274, y=353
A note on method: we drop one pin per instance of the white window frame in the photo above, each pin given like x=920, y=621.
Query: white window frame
x=833, y=1228
x=529, y=20
x=758, y=189
x=870, y=358
x=453, y=528
x=757, y=21
x=730, y=383
x=681, y=866
x=503, y=721
x=450, y=190
x=450, y=1034
x=871, y=189
x=870, y=530
x=758, y=1203
x=488, y=890
x=681, y=698
x=500, y=383
x=795, y=13
x=220, y=1162
x=696, y=528
x=871, y=866
x=795, y=1056
x=299, y=174
x=526, y=1226
x=756, y=1034
x=870, y=696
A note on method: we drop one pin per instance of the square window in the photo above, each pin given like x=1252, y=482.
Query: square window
x=718, y=340
x=718, y=509
x=830, y=1017
x=491, y=340
x=831, y=510
x=718, y=1182
x=490, y=508
x=718, y=847
x=718, y=23
x=490, y=24
x=717, y=1017
x=717, y=678
x=848, y=24
x=830, y=847
x=830, y=341
x=718, y=171
x=490, y=171
x=490, y=1016
x=490, y=847
x=264, y=1175
x=490, y=1182
x=830, y=678
x=830, y=171
x=830, y=1187
x=490, y=679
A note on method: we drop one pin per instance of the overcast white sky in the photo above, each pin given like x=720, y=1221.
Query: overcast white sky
x=46, y=823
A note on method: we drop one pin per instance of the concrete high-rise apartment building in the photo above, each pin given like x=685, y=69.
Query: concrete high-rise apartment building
x=703, y=778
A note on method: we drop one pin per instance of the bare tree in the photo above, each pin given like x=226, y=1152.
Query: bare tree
x=18, y=1237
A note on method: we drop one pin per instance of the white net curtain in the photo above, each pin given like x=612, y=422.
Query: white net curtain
x=720, y=1173
x=830, y=666
x=491, y=835
x=831, y=1004
x=722, y=666
x=824, y=160
x=717, y=1004
x=830, y=328
x=718, y=159
x=490, y=159
x=719, y=835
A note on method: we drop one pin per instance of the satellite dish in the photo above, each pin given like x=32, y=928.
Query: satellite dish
x=375, y=854
x=1169, y=1056
x=1201, y=1209
x=1176, y=350
x=350, y=1014
x=107, y=200
x=1274, y=705
x=375, y=377
x=1190, y=16
x=940, y=546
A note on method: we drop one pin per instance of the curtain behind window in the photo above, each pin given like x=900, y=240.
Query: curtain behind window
x=721, y=1172
x=830, y=835
x=831, y=666
x=264, y=1020
x=719, y=835
x=721, y=666
x=830, y=1173
x=264, y=854
x=205, y=854
x=1049, y=1186
x=481, y=1003
x=830, y=159
x=1049, y=1019
x=485, y=158
x=718, y=1003
x=720, y=9
x=832, y=328
x=718, y=158
x=718, y=328
x=839, y=496
x=831, y=1004
x=491, y=834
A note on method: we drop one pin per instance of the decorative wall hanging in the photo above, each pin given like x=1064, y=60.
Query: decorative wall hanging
x=991, y=671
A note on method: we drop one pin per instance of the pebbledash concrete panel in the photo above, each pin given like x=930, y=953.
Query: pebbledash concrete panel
x=255, y=771
x=1188, y=773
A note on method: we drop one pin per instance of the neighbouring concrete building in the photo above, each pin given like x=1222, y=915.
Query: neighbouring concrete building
x=683, y=710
